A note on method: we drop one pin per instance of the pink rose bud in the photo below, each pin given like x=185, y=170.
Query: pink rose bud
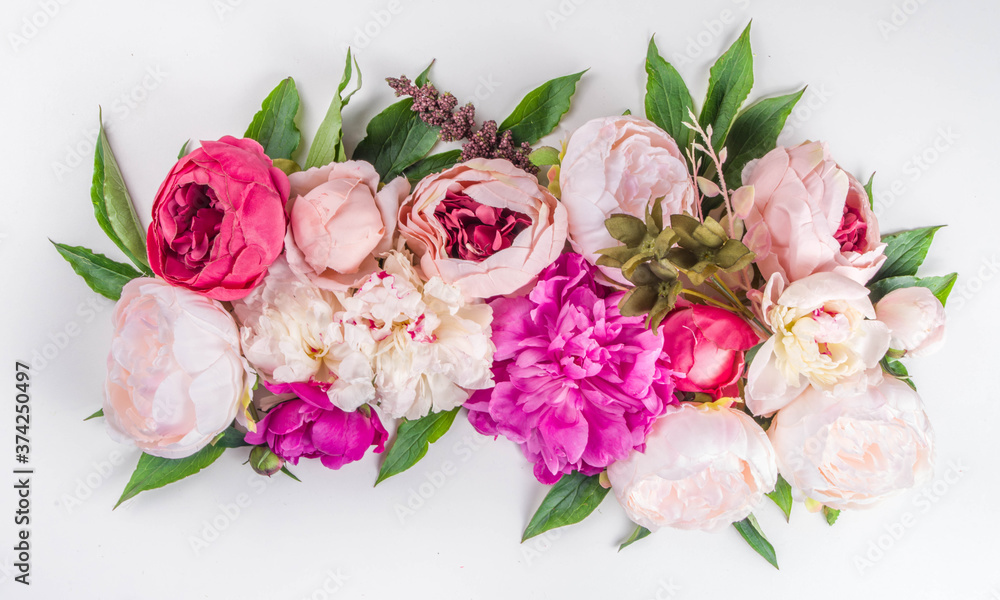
x=915, y=318
x=706, y=346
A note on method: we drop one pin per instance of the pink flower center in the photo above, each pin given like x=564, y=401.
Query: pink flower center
x=852, y=230
x=195, y=211
x=476, y=231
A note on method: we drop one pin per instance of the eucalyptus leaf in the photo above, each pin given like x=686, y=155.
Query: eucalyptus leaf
x=905, y=252
x=755, y=133
x=274, y=124
x=541, y=109
x=668, y=101
x=751, y=532
x=328, y=144
x=729, y=84
x=103, y=275
x=154, y=472
x=412, y=441
x=570, y=501
x=395, y=139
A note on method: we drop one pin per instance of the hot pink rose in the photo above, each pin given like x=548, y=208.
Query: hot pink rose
x=810, y=216
x=619, y=165
x=483, y=225
x=339, y=221
x=218, y=219
x=706, y=346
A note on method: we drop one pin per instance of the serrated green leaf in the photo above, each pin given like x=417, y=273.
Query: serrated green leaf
x=868, y=190
x=396, y=139
x=639, y=533
x=113, y=206
x=570, y=501
x=905, y=252
x=831, y=515
x=422, y=79
x=729, y=84
x=435, y=163
x=154, y=472
x=541, y=109
x=412, y=441
x=755, y=133
x=328, y=144
x=103, y=275
x=231, y=438
x=782, y=496
x=751, y=532
x=940, y=286
x=668, y=101
x=274, y=124
x=96, y=415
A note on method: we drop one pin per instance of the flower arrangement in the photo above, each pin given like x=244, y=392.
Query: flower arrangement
x=672, y=308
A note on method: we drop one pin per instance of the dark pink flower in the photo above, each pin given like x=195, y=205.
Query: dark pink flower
x=477, y=231
x=577, y=384
x=706, y=347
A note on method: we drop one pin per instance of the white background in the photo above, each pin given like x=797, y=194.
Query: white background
x=906, y=88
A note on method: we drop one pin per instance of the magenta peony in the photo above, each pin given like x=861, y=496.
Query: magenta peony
x=578, y=385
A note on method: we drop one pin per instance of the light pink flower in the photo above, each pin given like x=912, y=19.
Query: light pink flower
x=483, y=225
x=704, y=467
x=339, y=222
x=855, y=451
x=619, y=165
x=810, y=216
x=915, y=318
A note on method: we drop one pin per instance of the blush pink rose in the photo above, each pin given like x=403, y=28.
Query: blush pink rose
x=485, y=226
x=339, y=222
x=218, y=219
x=706, y=347
x=810, y=216
x=619, y=165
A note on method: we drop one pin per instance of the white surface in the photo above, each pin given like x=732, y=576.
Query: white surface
x=880, y=97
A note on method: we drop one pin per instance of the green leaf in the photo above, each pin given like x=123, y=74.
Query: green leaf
x=113, y=206
x=639, y=533
x=570, y=501
x=230, y=438
x=422, y=79
x=939, y=286
x=274, y=124
x=782, y=496
x=103, y=275
x=831, y=515
x=290, y=474
x=729, y=84
x=868, y=190
x=412, y=440
x=328, y=145
x=668, y=101
x=751, y=354
x=544, y=156
x=628, y=111
x=184, y=150
x=905, y=252
x=96, y=415
x=540, y=111
x=154, y=472
x=395, y=139
x=435, y=163
x=751, y=532
x=755, y=133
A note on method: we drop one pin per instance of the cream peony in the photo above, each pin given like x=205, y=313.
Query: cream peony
x=619, y=165
x=175, y=375
x=824, y=336
x=855, y=451
x=426, y=347
x=915, y=318
x=704, y=467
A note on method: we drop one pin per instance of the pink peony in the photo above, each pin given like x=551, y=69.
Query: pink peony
x=578, y=385
x=706, y=347
x=915, y=318
x=311, y=427
x=483, y=225
x=339, y=222
x=218, y=219
x=810, y=216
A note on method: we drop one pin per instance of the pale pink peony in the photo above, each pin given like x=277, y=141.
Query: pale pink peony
x=483, y=225
x=855, y=451
x=340, y=222
x=704, y=467
x=810, y=216
x=915, y=318
x=619, y=165
x=176, y=378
